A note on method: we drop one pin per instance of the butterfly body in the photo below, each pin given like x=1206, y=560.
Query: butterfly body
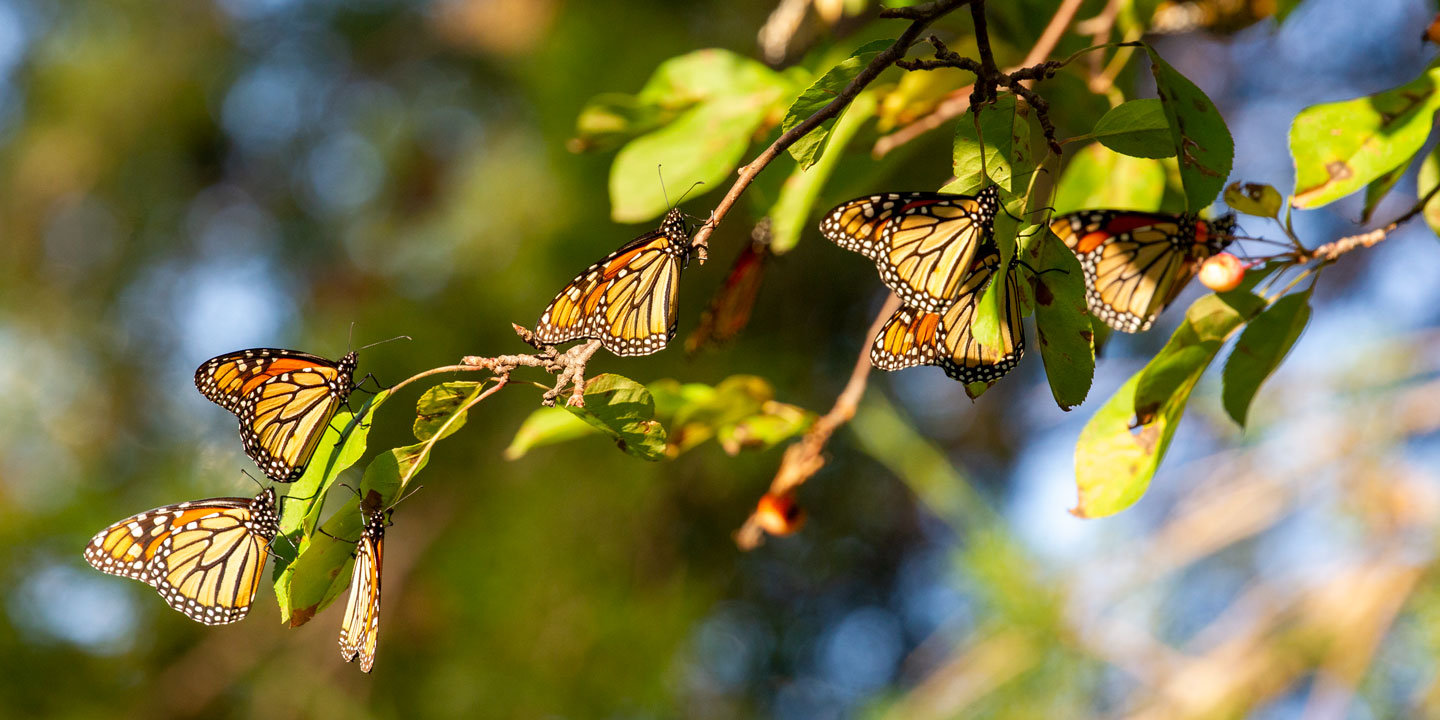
x=284, y=400
x=914, y=337
x=1136, y=263
x=203, y=557
x=628, y=300
x=360, y=626
x=923, y=243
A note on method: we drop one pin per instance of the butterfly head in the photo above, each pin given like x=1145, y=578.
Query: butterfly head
x=1216, y=233
x=347, y=366
x=989, y=199
x=675, y=227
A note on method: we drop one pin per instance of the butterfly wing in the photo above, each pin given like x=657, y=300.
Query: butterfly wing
x=909, y=338
x=360, y=626
x=626, y=301
x=284, y=400
x=1137, y=263
x=964, y=358
x=203, y=557
x=922, y=243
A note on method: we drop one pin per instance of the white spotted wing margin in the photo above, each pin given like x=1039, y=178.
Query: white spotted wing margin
x=203, y=557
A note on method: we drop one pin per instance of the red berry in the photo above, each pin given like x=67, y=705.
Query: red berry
x=778, y=514
x=1222, y=272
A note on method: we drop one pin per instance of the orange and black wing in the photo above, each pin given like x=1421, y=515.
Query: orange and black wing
x=923, y=243
x=284, y=400
x=1136, y=263
x=914, y=337
x=360, y=626
x=203, y=557
x=626, y=301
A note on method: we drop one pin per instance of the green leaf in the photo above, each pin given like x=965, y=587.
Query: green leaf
x=809, y=148
x=1169, y=377
x=611, y=119
x=1340, y=147
x=1254, y=199
x=985, y=327
x=1429, y=177
x=1264, y=344
x=734, y=399
x=790, y=216
x=1202, y=141
x=319, y=574
x=1137, y=128
x=1008, y=157
x=546, y=426
x=438, y=405
x=623, y=409
x=1379, y=188
x=727, y=98
x=343, y=446
x=1115, y=460
x=1091, y=180
x=775, y=423
x=1062, y=322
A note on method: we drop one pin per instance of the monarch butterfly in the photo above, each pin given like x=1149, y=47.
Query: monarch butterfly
x=204, y=557
x=1136, y=263
x=916, y=337
x=627, y=300
x=729, y=310
x=284, y=399
x=923, y=243
x=360, y=626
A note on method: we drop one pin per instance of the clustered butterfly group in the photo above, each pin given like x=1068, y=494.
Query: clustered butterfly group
x=935, y=251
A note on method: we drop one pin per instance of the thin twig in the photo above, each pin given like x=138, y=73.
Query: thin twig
x=1332, y=250
x=958, y=101
x=568, y=367
x=805, y=458
x=921, y=15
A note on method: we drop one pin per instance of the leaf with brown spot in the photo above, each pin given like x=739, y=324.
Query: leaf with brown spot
x=1341, y=147
x=1062, y=322
x=1202, y=141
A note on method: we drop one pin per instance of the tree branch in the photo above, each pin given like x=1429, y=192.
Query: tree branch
x=568, y=367
x=805, y=458
x=921, y=17
x=958, y=101
x=1330, y=251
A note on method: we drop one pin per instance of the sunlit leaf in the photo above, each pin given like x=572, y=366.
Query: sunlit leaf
x=622, y=409
x=727, y=97
x=436, y=408
x=1254, y=199
x=1203, y=145
x=1097, y=177
x=1340, y=147
x=1062, y=323
x=610, y=119
x=1262, y=346
x=1137, y=128
x=809, y=148
x=546, y=426
x=775, y=423
x=1115, y=458
x=1379, y=188
x=1428, y=179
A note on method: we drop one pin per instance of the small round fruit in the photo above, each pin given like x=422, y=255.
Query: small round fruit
x=1222, y=272
x=778, y=514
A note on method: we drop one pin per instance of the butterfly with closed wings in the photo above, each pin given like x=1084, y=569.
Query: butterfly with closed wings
x=914, y=337
x=360, y=625
x=1136, y=263
x=923, y=243
x=284, y=400
x=627, y=301
x=204, y=557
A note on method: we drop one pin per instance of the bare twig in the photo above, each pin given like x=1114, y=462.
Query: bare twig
x=568, y=367
x=921, y=17
x=805, y=458
x=1330, y=251
x=958, y=101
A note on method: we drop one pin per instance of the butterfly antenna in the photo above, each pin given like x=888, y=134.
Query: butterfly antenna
x=663, y=191
x=252, y=478
x=698, y=183
x=406, y=496
x=382, y=342
x=350, y=341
